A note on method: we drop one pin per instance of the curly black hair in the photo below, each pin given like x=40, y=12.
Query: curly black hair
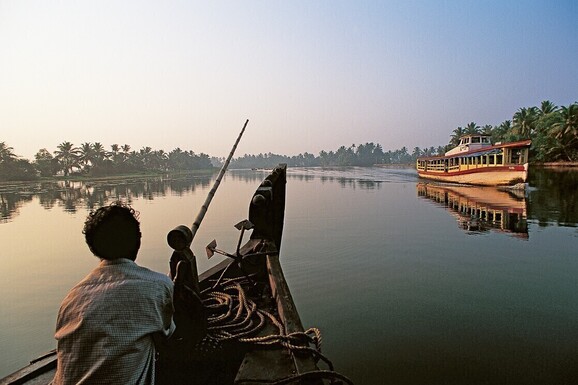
x=113, y=231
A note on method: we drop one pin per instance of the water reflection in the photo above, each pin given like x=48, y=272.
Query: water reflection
x=71, y=196
x=479, y=209
x=346, y=177
x=553, y=196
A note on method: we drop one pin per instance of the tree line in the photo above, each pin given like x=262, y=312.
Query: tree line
x=363, y=155
x=553, y=130
x=92, y=159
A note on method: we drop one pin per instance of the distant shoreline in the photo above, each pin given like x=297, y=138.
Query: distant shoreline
x=88, y=178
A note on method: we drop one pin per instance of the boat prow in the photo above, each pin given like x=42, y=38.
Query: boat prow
x=271, y=348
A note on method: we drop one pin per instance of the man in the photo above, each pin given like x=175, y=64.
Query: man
x=108, y=323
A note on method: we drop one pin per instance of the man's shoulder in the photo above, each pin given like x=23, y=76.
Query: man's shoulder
x=154, y=275
x=148, y=274
x=127, y=270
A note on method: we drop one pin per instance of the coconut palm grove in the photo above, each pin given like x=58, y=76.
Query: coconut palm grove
x=553, y=130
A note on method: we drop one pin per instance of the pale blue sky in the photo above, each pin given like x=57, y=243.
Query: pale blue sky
x=310, y=75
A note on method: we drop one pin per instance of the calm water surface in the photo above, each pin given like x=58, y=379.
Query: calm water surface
x=410, y=283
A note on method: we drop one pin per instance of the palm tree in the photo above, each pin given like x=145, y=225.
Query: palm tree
x=345, y=156
x=117, y=156
x=100, y=154
x=134, y=161
x=6, y=153
x=416, y=153
x=547, y=107
x=472, y=129
x=9, y=164
x=566, y=131
x=161, y=159
x=67, y=156
x=525, y=121
x=456, y=135
x=146, y=154
x=403, y=156
x=122, y=156
x=86, y=156
x=570, y=120
x=175, y=159
x=501, y=131
x=378, y=153
x=487, y=129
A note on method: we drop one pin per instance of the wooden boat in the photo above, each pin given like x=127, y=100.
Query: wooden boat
x=276, y=349
x=480, y=208
x=476, y=161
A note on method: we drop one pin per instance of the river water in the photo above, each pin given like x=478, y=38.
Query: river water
x=409, y=282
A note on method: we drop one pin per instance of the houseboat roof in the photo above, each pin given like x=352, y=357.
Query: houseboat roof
x=481, y=151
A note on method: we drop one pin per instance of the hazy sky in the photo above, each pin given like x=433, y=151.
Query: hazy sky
x=309, y=75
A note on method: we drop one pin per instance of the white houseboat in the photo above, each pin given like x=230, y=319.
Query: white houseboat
x=476, y=161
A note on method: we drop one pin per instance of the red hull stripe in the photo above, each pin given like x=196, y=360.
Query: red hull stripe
x=474, y=170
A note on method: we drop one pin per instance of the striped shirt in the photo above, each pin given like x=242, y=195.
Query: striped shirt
x=106, y=324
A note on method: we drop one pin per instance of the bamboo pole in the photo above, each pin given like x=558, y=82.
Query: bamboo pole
x=205, y=206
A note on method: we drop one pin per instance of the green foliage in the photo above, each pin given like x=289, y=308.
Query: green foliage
x=45, y=163
x=553, y=130
x=12, y=167
x=92, y=159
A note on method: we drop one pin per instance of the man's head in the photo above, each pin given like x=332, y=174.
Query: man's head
x=113, y=232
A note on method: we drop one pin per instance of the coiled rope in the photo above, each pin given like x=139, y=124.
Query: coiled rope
x=234, y=316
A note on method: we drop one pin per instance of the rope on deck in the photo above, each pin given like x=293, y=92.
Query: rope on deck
x=234, y=316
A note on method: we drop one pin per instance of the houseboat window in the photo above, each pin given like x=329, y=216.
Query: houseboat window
x=492, y=159
x=476, y=139
x=485, y=139
x=516, y=156
x=499, y=159
x=484, y=160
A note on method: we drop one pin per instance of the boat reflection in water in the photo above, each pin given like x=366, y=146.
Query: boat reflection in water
x=479, y=209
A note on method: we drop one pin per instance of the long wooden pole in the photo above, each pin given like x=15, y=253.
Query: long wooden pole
x=205, y=206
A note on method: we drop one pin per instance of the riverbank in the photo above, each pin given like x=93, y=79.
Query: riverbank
x=556, y=164
x=85, y=178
